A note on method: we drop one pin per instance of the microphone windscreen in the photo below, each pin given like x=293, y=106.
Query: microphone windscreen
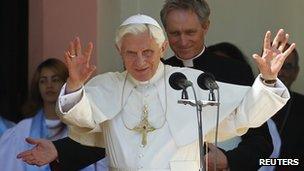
x=175, y=80
x=206, y=81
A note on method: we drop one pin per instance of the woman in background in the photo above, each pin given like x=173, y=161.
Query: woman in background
x=41, y=122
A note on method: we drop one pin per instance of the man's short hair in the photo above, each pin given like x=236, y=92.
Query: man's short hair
x=200, y=7
x=135, y=29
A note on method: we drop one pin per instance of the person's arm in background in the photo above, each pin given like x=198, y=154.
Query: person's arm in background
x=74, y=156
x=256, y=144
x=64, y=154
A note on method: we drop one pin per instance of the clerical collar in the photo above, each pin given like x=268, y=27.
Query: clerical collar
x=189, y=62
x=158, y=74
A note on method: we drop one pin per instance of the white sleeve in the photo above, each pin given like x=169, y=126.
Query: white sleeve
x=93, y=104
x=260, y=103
x=67, y=101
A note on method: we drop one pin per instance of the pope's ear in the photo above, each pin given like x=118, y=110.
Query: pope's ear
x=117, y=48
x=164, y=47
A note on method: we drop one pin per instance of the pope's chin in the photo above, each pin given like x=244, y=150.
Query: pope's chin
x=142, y=75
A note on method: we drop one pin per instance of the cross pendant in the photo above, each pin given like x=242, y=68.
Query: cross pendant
x=144, y=127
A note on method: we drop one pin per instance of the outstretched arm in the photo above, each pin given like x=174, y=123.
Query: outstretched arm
x=43, y=153
x=74, y=156
x=70, y=154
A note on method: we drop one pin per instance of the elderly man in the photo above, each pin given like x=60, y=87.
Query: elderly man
x=135, y=115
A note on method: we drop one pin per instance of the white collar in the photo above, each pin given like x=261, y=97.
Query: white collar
x=189, y=62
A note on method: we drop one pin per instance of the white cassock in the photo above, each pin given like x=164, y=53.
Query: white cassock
x=109, y=105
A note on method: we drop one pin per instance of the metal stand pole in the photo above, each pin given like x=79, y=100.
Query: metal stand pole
x=200, y=104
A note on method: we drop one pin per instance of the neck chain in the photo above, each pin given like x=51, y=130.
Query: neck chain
x=143, y=127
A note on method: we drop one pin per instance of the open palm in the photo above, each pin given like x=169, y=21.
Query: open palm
x=78, y=63
x=274, y=54
x=43, y=153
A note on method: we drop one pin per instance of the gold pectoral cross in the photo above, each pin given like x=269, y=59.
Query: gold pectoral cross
x=144, y=127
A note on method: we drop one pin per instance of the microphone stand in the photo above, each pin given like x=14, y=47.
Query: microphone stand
x=199, y=104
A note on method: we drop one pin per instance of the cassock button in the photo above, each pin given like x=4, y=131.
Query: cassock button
x=141, y=155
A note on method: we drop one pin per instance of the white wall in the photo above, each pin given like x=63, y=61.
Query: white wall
x=109, y=14
x=242, y=22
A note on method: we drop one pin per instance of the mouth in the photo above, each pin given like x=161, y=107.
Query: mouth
x=184, y=50
x=141, y=69
x=50, y=93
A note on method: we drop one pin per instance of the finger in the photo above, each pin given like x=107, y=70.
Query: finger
x=68, y=60
x=258, y=59
x=278, y=38
x=283, y=43
x=40, y=163
x=24, y=154
x=32, y=141
x=288, y=51
x=71, y=48
x=87, y=52
x=29, y=157
x=77, y=45
x=267, y=40
x=31, y=161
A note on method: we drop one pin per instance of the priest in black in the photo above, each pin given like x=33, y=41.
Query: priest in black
x=289, y=120
x=186, y=23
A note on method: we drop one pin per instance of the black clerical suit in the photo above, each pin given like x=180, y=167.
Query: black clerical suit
x=256, y=143
x=74, y=156
x=290, y=124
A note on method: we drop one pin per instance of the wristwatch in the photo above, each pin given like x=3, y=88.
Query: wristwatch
x=269, y=82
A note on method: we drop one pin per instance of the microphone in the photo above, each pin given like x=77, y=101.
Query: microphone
x=206, y=81
x=178, y=81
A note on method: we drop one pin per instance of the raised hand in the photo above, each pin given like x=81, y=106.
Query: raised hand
x=78, y=63
x=274, y=55
x=43, y=153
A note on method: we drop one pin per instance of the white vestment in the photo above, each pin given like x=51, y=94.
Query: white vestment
x=13, y=142
x=100, y=113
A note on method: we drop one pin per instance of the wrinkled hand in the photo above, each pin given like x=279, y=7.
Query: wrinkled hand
x=78, y=64
x=213, y=156
x=274, y=55
x=43, y=153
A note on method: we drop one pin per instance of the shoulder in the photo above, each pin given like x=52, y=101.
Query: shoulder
x=22, y=128
x=109, y=77
x=17, y=133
